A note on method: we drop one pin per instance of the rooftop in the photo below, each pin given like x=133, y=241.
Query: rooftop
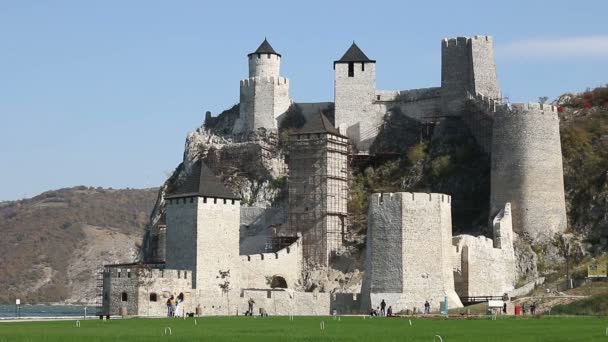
x=318, y=123
x=203, y=183
x=265, y=47
x=354, y=54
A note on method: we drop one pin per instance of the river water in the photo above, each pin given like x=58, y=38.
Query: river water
x=46, y=311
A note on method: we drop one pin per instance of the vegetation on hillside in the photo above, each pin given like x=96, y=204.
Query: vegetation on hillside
x=418, y=161
x=584, y=133
x=41, y=233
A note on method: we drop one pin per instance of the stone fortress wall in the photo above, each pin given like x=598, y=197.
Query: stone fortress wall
x=527, y=169
x=411, y=254
x=257, y=270
x=264, y=96
x=409, y=251
x=141, y=290
x=204, y=238
x=356, y=116
x=486, y=267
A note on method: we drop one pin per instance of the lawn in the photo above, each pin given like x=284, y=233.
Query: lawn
x=308, y=329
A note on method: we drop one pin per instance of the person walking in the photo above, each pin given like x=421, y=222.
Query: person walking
x=179, y=305
x=383, y=308
x=172, y=305
x=250, y=303
x=533, y=309
x=427, y=307
x=168, y=307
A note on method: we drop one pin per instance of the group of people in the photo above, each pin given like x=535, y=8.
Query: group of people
x=382, y=310
x=174, y=305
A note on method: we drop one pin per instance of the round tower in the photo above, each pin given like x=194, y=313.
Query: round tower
x=264, y=95
x=527, y=170
x=264, y=62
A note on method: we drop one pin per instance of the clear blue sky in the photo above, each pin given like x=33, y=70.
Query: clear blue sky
x=102, y=93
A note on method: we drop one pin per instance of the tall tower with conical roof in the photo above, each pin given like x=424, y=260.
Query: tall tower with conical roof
x=354, y=91
x=265, y=94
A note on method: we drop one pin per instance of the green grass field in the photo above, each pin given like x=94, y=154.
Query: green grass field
x=308, y=329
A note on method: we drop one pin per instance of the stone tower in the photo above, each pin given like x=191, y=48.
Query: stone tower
x=354, y=91
x=409, y=251
x=467, y=67
x=527, y=169
x=318, y=188
x=203, y=220
x=264, y=94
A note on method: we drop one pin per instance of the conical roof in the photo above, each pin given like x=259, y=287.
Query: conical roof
x=354, y=54
x=317, y=123
x=265, y=48
x=202, y=182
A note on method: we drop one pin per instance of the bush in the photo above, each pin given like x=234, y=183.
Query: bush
x=417, y=153
x=441, y=166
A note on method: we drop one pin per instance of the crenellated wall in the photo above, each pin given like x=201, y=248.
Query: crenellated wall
x=486, y=267
x=527, y=169
x=262, y=100
x=203, y=236
x=257, y=269
x=139, y=283
x=467, y=66
x=404, y=229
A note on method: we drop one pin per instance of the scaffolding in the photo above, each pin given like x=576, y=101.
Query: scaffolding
x=318, y=193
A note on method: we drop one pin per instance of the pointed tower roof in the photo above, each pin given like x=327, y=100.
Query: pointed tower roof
x=203, y=183
x=317, y=123
x=264, y=48
x=354, y=54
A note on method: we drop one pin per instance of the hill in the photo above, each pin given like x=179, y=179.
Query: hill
x=53, y=244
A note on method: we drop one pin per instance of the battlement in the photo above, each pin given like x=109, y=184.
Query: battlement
x=411, y=95
x=270, y=56
x=411, y=197
x=251, y=81
x=461, y=41
x=495, y=106
x=282, y=253
x=136, y=271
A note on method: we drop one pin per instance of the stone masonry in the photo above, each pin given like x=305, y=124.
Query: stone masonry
x=527, y=169
x=486, y=267
x=409, y=251
x=265, y=94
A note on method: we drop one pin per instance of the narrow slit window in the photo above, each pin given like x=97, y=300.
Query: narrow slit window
x=351, y=69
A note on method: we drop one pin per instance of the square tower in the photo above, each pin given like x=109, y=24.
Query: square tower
x=354, y=92
x=203, y=220
x=318, y=188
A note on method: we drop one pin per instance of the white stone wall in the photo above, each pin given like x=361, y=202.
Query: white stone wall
x=264, y=65
x=203, y=236
x=262, y=100
x=484, y=67
x=255, y=269
x=181, y=233
x=280, y=302
x=404, y=230
x=486, y=267
x=141, y=283
x=356, y=116
x=527, y=170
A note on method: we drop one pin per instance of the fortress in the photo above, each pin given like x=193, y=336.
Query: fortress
x=198, y=248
